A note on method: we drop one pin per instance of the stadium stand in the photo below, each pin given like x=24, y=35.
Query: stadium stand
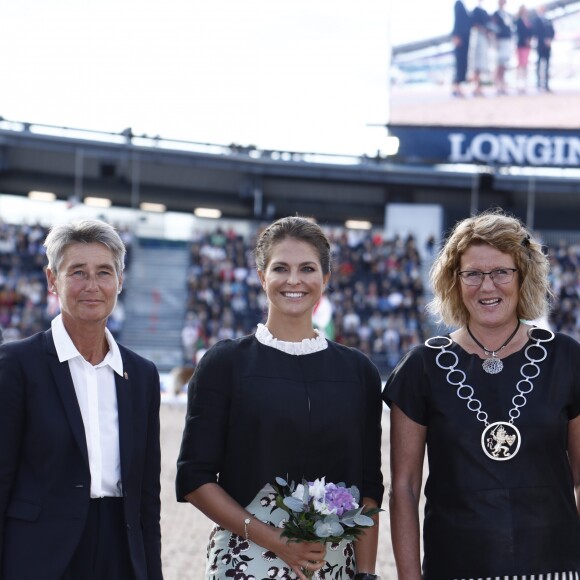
x=565, y=283
x=26, y=306
x=377, y=298
x=24, y=309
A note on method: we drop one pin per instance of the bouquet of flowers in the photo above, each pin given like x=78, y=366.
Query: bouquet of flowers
x=322, y=512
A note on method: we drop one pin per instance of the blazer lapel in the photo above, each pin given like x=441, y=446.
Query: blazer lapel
x=65, y=387
x=125, y=407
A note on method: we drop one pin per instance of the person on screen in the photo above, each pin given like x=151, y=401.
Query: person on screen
x=479, y=43
x=524, y=35
x=503, y=24
x=544, y=34
x=460, y=38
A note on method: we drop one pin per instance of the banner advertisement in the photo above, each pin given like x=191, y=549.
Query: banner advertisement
x=499, y=86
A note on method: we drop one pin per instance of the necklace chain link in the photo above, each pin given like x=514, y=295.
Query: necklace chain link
x=466, y=392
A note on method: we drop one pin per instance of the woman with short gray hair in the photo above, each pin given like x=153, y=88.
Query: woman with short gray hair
x=79, y=425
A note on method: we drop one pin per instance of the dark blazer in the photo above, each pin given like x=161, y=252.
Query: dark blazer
x=461, y=22
x=544, y=32
x=44, y=469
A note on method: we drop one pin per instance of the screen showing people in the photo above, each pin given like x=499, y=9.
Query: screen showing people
x=487, y=63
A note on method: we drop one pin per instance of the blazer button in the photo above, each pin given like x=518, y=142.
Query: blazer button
x=128, y=526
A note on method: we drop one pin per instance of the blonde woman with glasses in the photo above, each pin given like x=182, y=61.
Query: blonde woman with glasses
x=496, y=404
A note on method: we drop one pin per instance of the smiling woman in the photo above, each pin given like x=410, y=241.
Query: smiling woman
x=86, y=283
x=294, y=282
x=84, y=409
x=258, y=407
x=85, y=270
x=496, y=405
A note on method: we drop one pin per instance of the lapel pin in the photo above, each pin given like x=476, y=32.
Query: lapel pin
x=126, y=376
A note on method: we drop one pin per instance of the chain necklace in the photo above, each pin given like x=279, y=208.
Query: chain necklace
x=501, y=440
x=493, y=365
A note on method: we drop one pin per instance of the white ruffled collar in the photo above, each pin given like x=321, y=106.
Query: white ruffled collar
x=306, y=346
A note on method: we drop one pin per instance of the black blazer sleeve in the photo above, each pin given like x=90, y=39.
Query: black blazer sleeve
x=11, y=432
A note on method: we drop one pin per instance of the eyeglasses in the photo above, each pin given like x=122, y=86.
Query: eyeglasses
x=499, y=276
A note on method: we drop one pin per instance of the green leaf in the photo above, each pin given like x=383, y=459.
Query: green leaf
x=328, y=527
x=355, y=493
x=363, y=520
x=293, y=504
x=306, y=493
x=372, y=511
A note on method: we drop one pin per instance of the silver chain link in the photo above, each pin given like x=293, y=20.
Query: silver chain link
x=456, y=377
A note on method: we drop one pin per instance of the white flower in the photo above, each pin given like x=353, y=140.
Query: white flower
x=299, y=492
x=317, y=489
x=321, y=507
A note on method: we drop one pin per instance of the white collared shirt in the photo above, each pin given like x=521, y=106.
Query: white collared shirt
x=97, y=397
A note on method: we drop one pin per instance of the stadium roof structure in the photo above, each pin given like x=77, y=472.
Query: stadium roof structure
x=248, y=183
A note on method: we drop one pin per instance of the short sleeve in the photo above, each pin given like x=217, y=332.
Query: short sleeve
x=408, y=386
x=574, y=357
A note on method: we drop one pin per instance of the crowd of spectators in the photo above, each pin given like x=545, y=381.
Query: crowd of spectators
x=376, y=300
x=376, y=293
x=565, y=283
x=26, y=306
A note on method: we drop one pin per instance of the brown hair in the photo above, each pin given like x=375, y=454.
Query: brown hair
x=508, y=235
x=298, y=228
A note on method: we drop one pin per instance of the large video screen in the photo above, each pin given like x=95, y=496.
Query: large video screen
x=469, y=64
x=487, y=82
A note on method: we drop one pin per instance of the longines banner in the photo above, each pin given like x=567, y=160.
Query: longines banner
x=522, y=147
x=532, y=119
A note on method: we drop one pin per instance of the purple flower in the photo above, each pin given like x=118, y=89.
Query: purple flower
x=320, y=511
x=338, y=499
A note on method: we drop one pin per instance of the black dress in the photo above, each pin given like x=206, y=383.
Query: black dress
x=255, y=413
x=486, y=518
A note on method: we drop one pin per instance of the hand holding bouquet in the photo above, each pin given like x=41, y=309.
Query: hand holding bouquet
x=322, y=512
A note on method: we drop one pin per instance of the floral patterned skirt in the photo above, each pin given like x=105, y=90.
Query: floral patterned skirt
x=232, y=556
